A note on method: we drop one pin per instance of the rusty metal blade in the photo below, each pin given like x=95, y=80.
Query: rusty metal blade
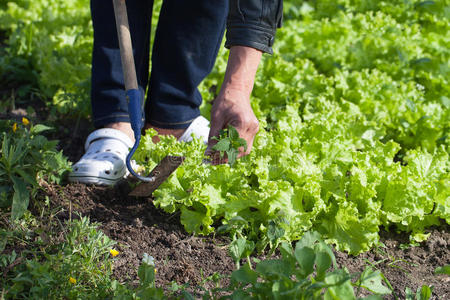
x=161, y=172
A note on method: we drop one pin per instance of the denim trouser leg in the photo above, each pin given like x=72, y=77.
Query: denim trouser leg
x=187, y=40
x=107, y=95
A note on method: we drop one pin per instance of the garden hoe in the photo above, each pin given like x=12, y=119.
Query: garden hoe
x=135, y=99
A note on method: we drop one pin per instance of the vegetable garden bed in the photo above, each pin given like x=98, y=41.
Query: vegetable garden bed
x=354, y=114
x=140, y=228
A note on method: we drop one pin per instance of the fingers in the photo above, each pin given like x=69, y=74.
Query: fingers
x=215, y=157
x=217, y=125
x=247, y=129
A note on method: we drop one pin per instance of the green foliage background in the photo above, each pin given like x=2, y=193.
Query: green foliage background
x=353, y=107
x=49, y=47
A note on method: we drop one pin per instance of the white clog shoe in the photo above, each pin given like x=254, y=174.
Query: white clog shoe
x=199, y=128
x=104, y=160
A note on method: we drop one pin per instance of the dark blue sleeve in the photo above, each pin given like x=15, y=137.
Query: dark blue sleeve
x=253, y=23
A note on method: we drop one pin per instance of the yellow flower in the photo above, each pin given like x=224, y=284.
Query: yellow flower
x=14, y=127
x=72, y=280
x=25, y=121
x=114, y=252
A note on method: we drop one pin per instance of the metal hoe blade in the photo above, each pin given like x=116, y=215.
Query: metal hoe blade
x=160, y=173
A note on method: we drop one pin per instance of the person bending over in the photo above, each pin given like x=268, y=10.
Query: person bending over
x=187, y=40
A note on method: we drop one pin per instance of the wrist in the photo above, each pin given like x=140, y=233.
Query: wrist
x=234, y=93
x=241, y=70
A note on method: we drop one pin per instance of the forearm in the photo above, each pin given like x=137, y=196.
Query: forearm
x=232, y=105
x=241, y=70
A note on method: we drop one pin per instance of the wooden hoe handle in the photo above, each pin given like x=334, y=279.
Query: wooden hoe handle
x=126, y=49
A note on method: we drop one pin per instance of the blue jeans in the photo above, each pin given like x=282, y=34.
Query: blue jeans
x=187, y=40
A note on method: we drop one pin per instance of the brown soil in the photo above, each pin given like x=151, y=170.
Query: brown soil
x=412, y=267
x=139, y=228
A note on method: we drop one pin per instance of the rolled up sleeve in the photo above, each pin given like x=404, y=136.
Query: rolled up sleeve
x=253, y=23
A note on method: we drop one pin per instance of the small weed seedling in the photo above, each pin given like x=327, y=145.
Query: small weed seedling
x=308, y=271
x=229, y=142
x=422, y=293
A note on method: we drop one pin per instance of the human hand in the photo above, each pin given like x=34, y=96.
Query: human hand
x=232, y=107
